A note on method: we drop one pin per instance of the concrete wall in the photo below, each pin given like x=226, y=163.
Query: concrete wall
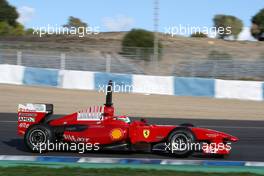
x=167, y=85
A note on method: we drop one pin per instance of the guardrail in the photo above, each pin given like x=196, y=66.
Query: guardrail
x=175, y=64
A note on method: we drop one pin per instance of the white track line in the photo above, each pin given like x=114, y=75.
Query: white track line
x=8, y=121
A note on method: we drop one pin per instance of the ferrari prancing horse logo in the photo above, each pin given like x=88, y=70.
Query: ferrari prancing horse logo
x=146, y=133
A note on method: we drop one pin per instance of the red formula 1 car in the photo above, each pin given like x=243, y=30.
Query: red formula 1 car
x=102, y=130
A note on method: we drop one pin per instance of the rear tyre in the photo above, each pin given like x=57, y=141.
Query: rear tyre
x=38, y=137
x=181, y=141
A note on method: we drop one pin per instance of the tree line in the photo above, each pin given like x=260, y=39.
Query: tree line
x=10, y=26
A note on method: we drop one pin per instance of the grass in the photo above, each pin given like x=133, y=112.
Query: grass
x=43, y=171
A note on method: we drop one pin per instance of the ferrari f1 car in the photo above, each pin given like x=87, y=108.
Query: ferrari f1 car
x=99, y=126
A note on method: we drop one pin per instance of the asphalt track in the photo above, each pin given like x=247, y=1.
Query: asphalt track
x=249, y=148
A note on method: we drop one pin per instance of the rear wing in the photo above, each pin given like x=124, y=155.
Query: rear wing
x=37, y=107
x=29, y=114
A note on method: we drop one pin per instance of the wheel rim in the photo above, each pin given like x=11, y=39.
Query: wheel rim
x=37, y=137
x=179, y=140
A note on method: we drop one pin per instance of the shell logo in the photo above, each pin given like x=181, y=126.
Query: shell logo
x=116, y=134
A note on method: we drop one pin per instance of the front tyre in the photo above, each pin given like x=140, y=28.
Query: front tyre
x=181, y=142
x=38, y=137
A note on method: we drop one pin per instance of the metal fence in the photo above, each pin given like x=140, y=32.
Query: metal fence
x=177, y=65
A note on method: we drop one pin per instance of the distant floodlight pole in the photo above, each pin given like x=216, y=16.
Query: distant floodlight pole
x=156, y=33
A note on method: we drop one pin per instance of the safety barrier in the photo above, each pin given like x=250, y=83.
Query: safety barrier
x=168, y=85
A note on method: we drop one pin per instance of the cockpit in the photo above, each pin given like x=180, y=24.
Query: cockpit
x=123, y=118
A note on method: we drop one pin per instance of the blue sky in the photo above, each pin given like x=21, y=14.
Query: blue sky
x=123, y=15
